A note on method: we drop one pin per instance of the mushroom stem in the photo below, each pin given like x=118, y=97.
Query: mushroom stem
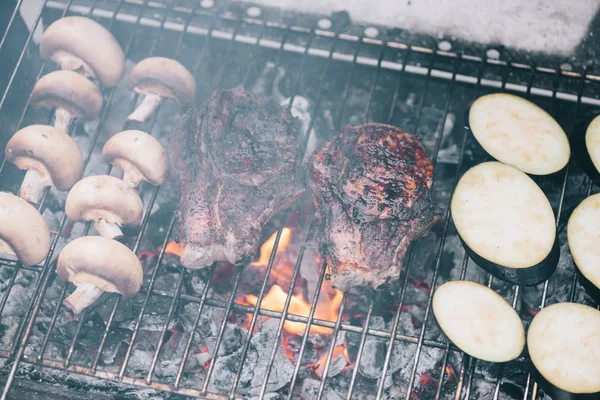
x=132, y=177
x=107, y=229
x=68, y=61
x=32, y=187
x=62, y=119
x=82, y=297
x=146, y=108
x=6, y=251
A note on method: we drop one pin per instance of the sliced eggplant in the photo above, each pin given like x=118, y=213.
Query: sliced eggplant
x=506, y=223
x=583, y=234
x=586, y=145
x=519, y=133
x=479, y=321
x=564, y=346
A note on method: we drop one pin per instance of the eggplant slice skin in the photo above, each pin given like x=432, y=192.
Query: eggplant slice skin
x=479, y=321
x=517, y=132
x=506, y=223
x=583, y=234
x=585, y=142
x=564, y=346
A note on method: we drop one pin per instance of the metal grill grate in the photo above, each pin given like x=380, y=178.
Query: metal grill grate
x=354, y=78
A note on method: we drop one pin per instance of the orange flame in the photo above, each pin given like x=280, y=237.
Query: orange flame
x=267, y=247
x=341, y=349
x=275, y=300
x=173, y=248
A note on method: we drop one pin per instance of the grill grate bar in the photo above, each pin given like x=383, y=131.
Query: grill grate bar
x=361, y=346
x=472, y=361
x=408, y=259
x=63, y=293
x=332, y=346
x=309, y=322
x=188, y=345
x=298, y=318
x=10, y=22
x=534, y=390
x=148, y=293
x=254, y=317
x=284, y=314
x=211, y=367
x=20, y=59
x=500, y=375
x=311, y=124
x=160, y=342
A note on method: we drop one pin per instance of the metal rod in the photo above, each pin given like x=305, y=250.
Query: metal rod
x=361, y=346
x=288, y=299
x=161, y=339
x=211, y=367
x=188, y=345
x=138, y=322
x=25, y=46
x=10, y=22
x=332, y=347
x=254, y=318
x=309, y=322
x=534, y=390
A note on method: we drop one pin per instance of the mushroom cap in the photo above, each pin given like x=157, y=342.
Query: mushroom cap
x=104, y=197
x=165, y=77
x=89, y=41
x=48, y=151
x=103, y=262
x=138, y=150
x=69, y=90
x=23, y=228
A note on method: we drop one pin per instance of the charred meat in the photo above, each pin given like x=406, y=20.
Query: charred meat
x=236, y=159
x=372, y=187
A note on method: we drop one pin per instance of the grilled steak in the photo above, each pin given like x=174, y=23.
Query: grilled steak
x=236, y=159
x=371, y=185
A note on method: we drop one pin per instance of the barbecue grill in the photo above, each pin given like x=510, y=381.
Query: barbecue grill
x=330, y=73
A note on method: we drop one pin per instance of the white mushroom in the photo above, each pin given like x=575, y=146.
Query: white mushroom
x=139, y=155
x=70, y=94
x=106, y=200
x=50, y=157
x=23, y=232
x=81, y=44
x=157, y=78
x=95, y=265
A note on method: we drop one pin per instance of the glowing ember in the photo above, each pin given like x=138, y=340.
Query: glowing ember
x=173, y=248
x=146, y=256
x=326, y=310
x=427, y=379
x=449, y=372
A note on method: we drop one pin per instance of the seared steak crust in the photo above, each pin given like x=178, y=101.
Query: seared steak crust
x=236, y=161
x=372, y=186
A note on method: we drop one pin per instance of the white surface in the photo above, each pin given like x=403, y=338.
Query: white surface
x=592, y=142
x=550, y=26
x=479, y=321
x=503, y=216
x=583, y=233
x=519, y=133
x=564, y=345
